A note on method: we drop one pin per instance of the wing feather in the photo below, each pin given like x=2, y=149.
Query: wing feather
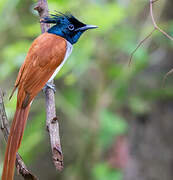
x=46, y=53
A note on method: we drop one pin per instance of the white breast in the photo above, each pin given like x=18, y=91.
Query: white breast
x=68, y=52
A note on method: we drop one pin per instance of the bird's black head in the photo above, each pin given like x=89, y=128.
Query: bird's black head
x=66, y=26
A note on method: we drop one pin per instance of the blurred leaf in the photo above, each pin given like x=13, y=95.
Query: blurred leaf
x=70, y=79
x=138, y=105
x=73, y=97
x=111, y=125
x=105, y=16
x=114, y=71
x=10, y=106
x=6, y=13
x=16, y=52
x=102, y=171
x=31, y=30
x=14, y=56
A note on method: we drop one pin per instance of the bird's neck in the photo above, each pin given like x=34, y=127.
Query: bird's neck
x=57, y=31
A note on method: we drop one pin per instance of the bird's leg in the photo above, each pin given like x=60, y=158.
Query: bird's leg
x=49, y=85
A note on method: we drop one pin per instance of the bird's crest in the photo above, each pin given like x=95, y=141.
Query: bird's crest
x=59, y=17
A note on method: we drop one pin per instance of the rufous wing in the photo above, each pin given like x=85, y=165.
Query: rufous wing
x=45, y=54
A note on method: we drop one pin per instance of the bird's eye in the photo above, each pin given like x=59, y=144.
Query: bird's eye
x=71, y=27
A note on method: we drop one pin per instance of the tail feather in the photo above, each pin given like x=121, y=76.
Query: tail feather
x=14, y=141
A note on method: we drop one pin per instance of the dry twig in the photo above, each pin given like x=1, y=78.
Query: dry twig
x=139, y=45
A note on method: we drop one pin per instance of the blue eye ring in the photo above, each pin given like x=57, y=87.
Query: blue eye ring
x=71, y=27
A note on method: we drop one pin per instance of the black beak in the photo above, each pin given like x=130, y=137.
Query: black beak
x=84, y=28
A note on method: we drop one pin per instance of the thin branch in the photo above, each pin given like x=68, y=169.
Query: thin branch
x=154, y=22
x=166, y=76
x=156, y=27
x=52, y=121
x=163, y=32
x=139, y=45
x=5, y=127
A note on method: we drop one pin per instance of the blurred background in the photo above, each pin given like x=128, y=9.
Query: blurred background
x=116, y=122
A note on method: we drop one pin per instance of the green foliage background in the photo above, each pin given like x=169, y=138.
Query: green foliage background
x=94, y=88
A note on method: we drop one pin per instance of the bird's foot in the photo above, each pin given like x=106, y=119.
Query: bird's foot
x=49, y=85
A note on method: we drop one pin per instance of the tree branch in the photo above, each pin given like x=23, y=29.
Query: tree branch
x=52, y=121
x=156, y=27
x=20, y=165
x=154, y=22
x=139, y=45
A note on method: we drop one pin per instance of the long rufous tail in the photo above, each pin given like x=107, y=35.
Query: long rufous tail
x=14, y=140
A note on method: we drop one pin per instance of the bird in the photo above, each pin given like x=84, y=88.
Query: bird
x=46, y=56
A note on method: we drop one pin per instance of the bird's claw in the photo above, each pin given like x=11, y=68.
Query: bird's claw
x=51, y=86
